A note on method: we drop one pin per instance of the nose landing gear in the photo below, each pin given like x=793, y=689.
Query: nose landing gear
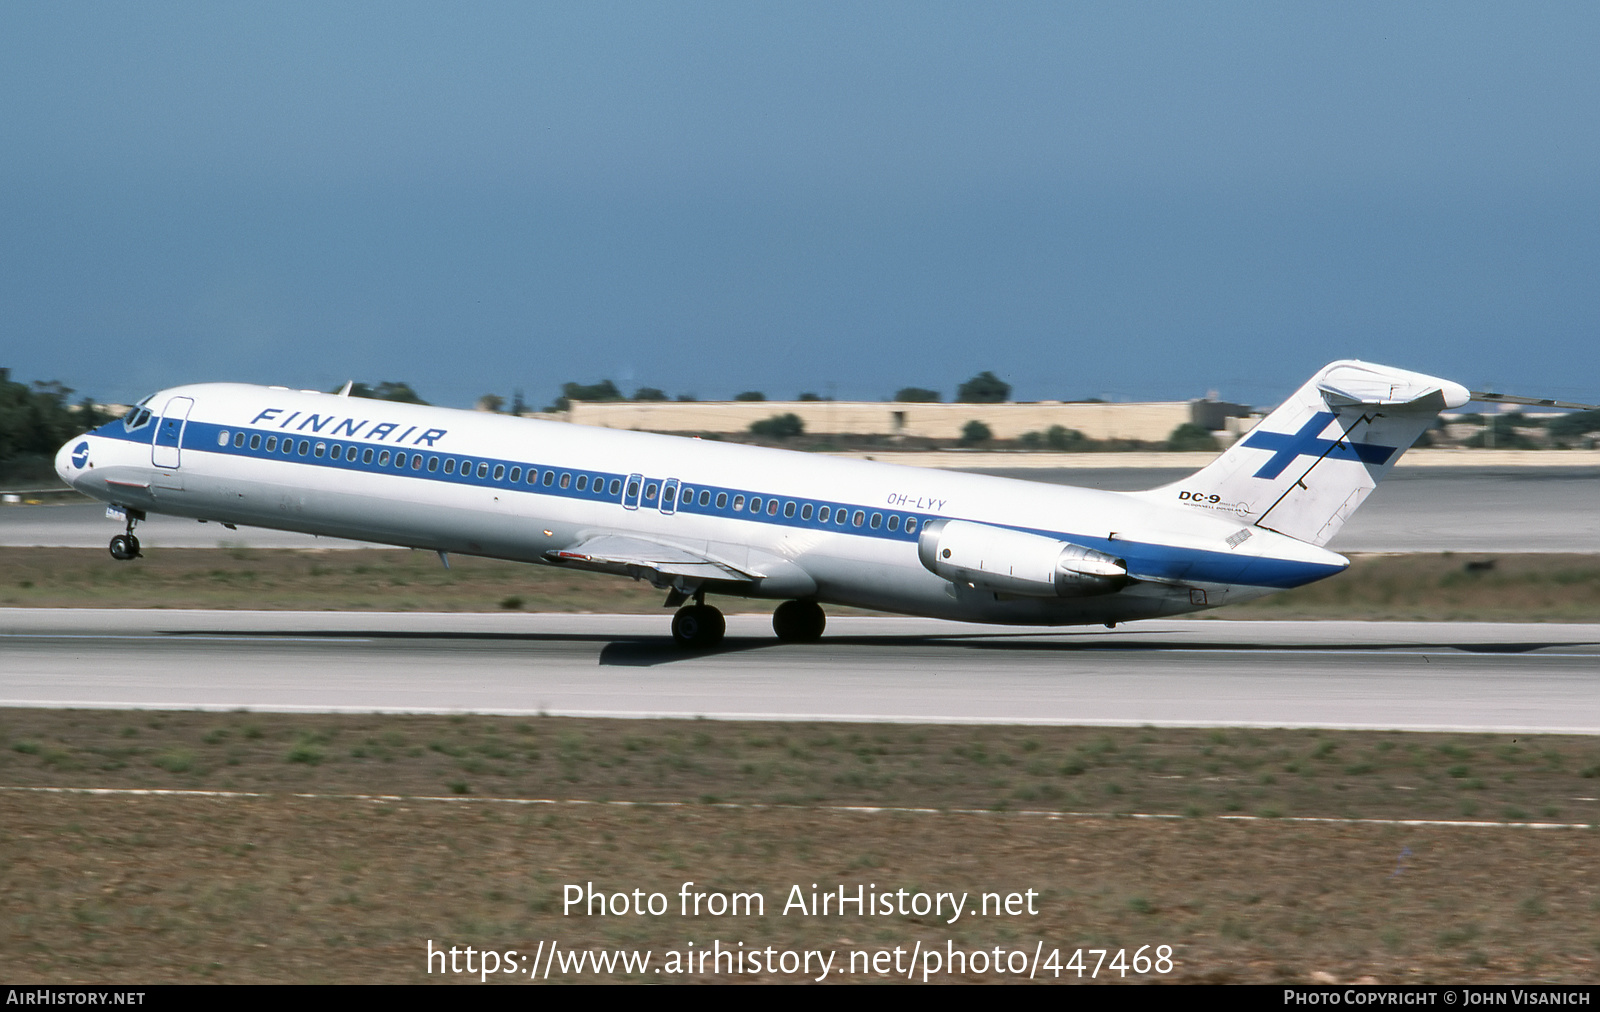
x=126, y=546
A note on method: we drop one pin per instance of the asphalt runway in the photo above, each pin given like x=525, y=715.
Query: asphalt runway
x=1410, y=676
x=1421, y=509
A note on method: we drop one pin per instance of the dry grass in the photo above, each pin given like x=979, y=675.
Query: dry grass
x=327, y=580
x=1180, y=771
x=282, y=888
x=1425, y=587
x=1446, y=588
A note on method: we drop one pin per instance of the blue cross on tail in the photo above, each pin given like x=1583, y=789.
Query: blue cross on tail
x=1286, y=446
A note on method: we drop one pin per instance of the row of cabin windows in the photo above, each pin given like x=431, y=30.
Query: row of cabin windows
x=824, y=514
x=368, y=455
x=842, y=517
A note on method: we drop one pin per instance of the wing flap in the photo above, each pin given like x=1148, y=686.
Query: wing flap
x=612, y=552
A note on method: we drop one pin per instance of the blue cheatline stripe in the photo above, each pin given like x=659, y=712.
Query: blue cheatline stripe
x=1144, y=559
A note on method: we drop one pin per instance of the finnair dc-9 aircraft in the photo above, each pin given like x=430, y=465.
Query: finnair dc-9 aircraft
x=697, y=517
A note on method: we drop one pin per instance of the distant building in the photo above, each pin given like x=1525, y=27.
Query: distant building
x=1148, y=422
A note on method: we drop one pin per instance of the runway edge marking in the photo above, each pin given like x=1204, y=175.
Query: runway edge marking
x=735, y=806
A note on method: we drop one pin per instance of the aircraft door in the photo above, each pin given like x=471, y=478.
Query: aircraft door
x=630, y=491
x=669, y=496
x=168, y=442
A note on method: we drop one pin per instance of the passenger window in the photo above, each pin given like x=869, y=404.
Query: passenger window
x=705, y=498
x=859, y=518
x=755, y=504
x=805, y=512
x=583, y=482
x=366, y=455
x=272, y=444
x=650, y=491
x=911, y=525
x=304, y=447
x=616, y=485
x=483, y=469
x=722, y=500
x=433, y=463
x=549, y=478
x=238, y=439
x=255, y=441
x=772, y=507
x=667, y=494
x=788, y=509
x=319, y=449
x=499, y=471
x=222, y=438
x=449, y=465
x=738, y=503
x=516, y=475
x=533, y=476
x=894, y=523
x=335, y=452
x=877, y=518
x=824, y=513
x=633, y=489
x=566, y=479
x=383, y=459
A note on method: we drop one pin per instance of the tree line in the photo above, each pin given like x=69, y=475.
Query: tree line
x=35, y=419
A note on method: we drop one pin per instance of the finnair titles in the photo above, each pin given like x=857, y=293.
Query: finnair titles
x=698, y=518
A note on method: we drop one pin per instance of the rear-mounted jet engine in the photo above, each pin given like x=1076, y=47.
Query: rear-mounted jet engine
x=1014, y=562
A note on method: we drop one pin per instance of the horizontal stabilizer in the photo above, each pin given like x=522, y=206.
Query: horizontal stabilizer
x=1535, y=402
x=1351, y=384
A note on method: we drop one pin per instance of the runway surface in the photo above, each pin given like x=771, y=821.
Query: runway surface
x=1420, y=676
x=1421, y=509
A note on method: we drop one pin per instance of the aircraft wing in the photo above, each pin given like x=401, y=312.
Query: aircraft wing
x=614, y=552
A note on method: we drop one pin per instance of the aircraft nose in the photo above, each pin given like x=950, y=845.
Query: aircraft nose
x=71, y=459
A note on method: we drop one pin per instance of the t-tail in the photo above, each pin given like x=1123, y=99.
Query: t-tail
x=1311, y=463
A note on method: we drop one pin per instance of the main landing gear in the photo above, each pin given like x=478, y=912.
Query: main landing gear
x=699, y=626
x=126, y=546
x=799, y=621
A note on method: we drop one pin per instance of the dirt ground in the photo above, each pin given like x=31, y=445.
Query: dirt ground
x=291, y=878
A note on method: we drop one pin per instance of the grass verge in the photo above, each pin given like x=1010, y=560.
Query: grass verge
x=1525, y=588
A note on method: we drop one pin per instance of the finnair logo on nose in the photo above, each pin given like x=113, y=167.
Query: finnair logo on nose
x=1286, y=447
x=80, y=455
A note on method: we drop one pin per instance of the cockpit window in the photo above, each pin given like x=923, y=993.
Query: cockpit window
x=137, y=417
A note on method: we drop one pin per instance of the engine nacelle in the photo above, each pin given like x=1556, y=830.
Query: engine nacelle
x=1014, y=562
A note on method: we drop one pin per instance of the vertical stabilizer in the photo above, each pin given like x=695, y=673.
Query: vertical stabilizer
x=1307, y=467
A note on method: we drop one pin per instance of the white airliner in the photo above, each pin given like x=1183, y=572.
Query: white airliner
x=695, y=517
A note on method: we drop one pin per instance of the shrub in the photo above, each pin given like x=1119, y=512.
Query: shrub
x=984, y=388
x=1190, y=436
x=782, y=426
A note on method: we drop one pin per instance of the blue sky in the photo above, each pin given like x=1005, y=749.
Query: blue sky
x=1117, y=200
